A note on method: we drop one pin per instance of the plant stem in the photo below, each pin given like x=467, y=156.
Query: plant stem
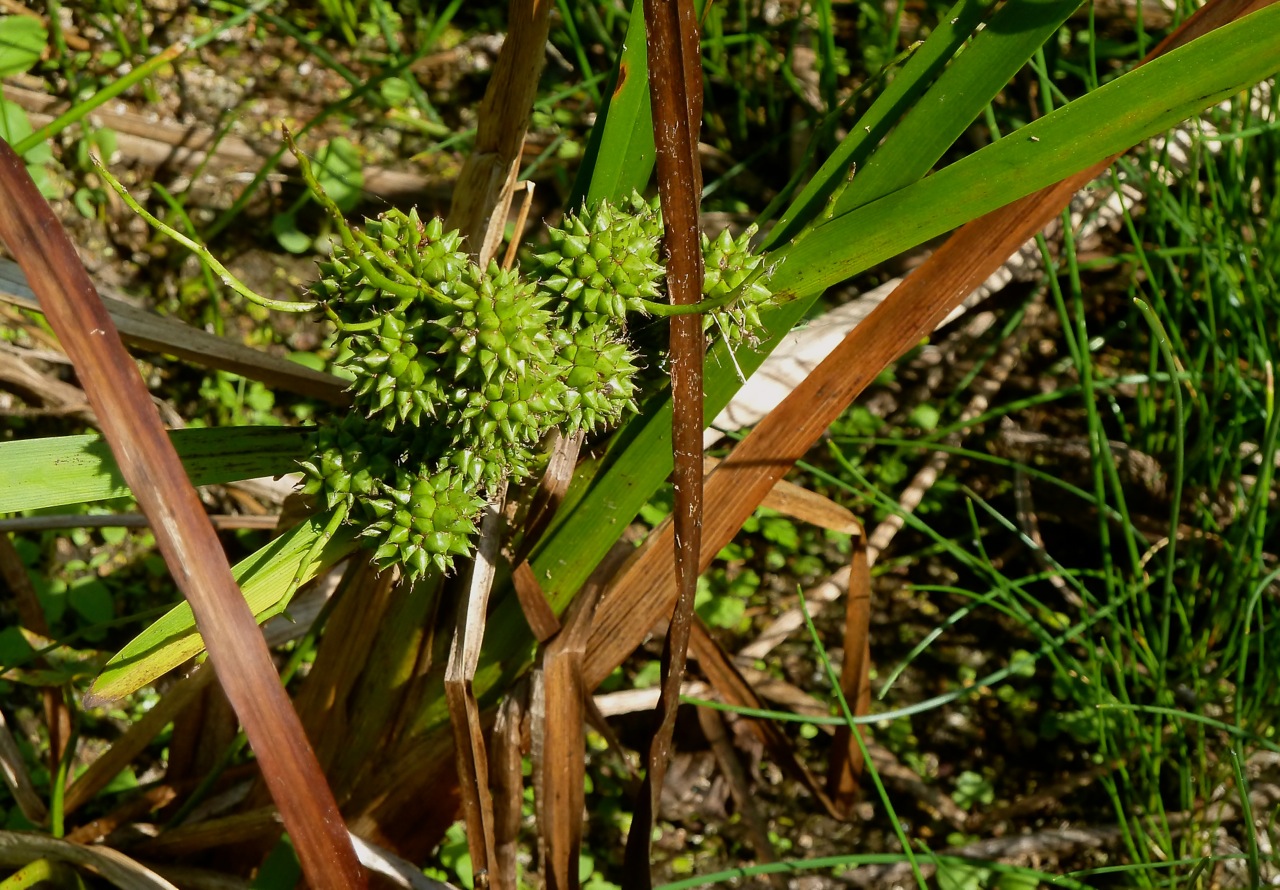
x=198, y=249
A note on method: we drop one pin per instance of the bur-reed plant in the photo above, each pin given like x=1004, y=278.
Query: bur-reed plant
x=832, y=231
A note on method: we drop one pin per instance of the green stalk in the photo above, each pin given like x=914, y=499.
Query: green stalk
x=833, y=677
x=198, y=249
x=40, y=873
x=58, y=793
x=1174, y=371
x=104, y=95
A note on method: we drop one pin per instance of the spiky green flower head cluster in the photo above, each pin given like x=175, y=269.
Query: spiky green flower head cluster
x=733, y=271
x=458, y=374
x=603, y=262
x=416, y=512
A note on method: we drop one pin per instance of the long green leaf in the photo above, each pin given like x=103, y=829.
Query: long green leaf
x=1107, y=121
x=264, y=579
x=901, y=94
x=1129, y=110
x=988, y=62
x=41, y=473
x=620, y=153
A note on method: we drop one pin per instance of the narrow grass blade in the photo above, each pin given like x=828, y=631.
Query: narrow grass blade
x=135, y=740
x=104, y=95
x=42, y=473
x=740, y=786
x=1094, y=128
x=31, y=616
x=23, y=846
x=18, y=777
x=738, y=693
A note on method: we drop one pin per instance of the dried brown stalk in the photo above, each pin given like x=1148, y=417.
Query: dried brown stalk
x=845, y=768
x=508, y=777
x=135, y=739
x=482, y=196
x=464, y=710
x=675, y=87
x=57, y=716
x=149, y=332
x=559, y=754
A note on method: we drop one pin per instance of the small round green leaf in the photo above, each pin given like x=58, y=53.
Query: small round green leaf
x=22, y=40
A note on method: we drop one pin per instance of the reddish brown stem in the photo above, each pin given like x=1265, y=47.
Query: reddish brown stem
x=675, y=86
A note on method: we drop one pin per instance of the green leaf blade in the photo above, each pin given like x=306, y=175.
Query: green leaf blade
x=1108, y=121
x=264, y=578
x=620, y=155
x=22, y=40
x=55, y=472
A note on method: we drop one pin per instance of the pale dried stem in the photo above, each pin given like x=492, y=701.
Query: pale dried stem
x=464, y=710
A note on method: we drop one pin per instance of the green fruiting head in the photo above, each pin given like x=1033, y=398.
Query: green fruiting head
x=602, y=262
x=401, y=251
x=460, y=372
x=732, y=270
x=434, y=522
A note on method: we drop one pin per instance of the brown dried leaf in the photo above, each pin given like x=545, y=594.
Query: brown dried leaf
x=846, y=764
x=725, y=678
x=57, y=715
x=808, y=506
x=675, y=87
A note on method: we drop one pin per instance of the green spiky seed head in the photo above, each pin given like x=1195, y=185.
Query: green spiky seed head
x=422, y=519
x=401, y=248
x=603, y=261
x=460, y=372
x=732, y=267
x=397, y=375
x=598, y=369
x=351, y=459
x=502, y=327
